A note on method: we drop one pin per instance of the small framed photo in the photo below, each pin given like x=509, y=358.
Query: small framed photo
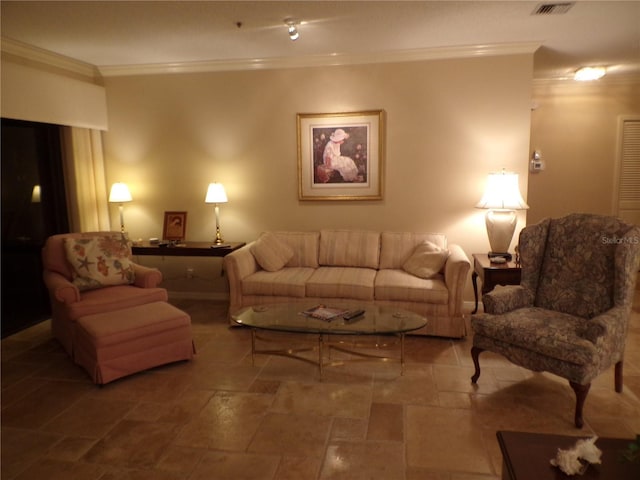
x=175, y=226
x=341, y=155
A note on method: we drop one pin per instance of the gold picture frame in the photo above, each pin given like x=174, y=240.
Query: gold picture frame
x=175, y=226
x=341, y=155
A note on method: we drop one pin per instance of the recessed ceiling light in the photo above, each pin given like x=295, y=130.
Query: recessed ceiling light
x=586, y=74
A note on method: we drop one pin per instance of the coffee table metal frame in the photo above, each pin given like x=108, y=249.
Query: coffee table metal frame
x=377, y=321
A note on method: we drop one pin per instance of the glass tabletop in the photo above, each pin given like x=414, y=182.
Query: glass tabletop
x=290, y=317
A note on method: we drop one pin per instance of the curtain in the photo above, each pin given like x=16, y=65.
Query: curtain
x=85, y=182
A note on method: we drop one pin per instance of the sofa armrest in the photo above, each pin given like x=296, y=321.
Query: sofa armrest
x=505, y=298
x=146, y=277
x=238, y=265
x=60, y=288
x=456, y=270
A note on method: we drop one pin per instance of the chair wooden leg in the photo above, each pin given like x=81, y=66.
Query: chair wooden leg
x=581, y=395
x=475, y=353
x=618, y=377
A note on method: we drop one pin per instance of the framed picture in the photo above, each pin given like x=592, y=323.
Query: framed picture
x=341, y=155
x=175, y=226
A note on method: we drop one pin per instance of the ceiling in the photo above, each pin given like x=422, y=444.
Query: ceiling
x=129, y=36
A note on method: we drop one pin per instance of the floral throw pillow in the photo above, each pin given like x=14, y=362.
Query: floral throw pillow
x=426, y=260
x=99, y=261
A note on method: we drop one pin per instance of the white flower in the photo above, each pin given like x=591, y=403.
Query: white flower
x=588, y=451
x=569, y=460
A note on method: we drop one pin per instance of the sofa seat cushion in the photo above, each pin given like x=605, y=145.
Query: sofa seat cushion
x=545, y=332
x=109, y=299
x=342, y=282
x=288, y=282
x=398, y=285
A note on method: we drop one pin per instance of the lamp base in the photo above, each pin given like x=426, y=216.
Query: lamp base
x=501, y=225
x=506, y=255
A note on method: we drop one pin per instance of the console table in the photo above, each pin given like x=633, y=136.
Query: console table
x=186, y=249
x=526, y=457
x=492, y=274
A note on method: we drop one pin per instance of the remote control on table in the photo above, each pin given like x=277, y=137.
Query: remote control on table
x=350, y=315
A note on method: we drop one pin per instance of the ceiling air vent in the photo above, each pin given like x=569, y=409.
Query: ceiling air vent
x=553, y=8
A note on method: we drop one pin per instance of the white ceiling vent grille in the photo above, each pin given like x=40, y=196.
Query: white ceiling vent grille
x=553, y=8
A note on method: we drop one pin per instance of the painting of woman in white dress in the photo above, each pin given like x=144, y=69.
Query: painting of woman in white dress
x=340, y=155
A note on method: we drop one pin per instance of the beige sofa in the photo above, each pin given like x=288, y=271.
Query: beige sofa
x=359, y=266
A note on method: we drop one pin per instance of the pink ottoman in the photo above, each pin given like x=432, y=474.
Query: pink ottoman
x=115, y=344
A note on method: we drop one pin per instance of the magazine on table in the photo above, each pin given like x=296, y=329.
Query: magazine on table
x=324, y=313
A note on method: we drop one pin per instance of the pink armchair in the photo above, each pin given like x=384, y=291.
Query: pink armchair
x=69, y=303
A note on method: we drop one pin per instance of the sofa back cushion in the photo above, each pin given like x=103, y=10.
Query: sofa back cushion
x=349, y=248
x=304, y=246
x=397, y=247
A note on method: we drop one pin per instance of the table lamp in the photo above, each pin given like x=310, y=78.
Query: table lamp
x=216, y=195
x=120, y=194
x=502, y=198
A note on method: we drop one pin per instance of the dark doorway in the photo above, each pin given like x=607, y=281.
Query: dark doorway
x=33, y=208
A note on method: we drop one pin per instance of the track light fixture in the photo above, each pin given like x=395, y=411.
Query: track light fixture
x=293, y=31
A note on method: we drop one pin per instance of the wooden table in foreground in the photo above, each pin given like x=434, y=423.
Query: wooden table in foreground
x=526, y=457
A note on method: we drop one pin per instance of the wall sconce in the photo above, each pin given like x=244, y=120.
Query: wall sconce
x=216, y=195
x=120, y=194
x=587, y=74
x=293, y=31
x=502, y=198
x=36, y=194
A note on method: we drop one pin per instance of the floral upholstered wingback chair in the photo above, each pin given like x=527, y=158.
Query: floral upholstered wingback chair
x=569, y=315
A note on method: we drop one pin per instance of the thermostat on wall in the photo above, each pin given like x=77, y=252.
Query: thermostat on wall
x=536, y=164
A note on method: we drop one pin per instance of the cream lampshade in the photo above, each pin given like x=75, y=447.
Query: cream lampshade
x=216, y=195
x=120, y=194
x=502, y=198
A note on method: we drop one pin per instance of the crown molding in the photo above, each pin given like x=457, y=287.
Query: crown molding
x=321, y=60
x=626, y=78
x=48, y=58
x=41, y=56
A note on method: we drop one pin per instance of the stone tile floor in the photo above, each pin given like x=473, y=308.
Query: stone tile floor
x=220, y=417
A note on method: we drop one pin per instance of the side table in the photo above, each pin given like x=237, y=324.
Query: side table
x=186, y=249
x=492, y=274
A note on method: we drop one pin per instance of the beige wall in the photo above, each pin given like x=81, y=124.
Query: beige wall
x=449, y=123
x=575, y=126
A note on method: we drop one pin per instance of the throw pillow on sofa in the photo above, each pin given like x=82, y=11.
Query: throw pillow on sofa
x=426, y=260
x=271, y=253
x=99, y=261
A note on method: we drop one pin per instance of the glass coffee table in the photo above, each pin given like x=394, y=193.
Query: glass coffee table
x=375, y=321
